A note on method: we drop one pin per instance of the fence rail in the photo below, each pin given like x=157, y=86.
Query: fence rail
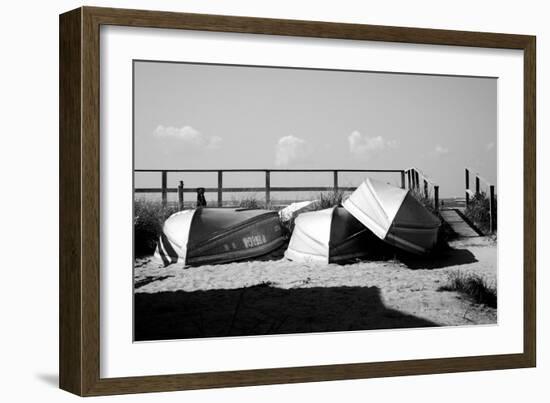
x=419, y=182
x=220, y=189
x=243, y=190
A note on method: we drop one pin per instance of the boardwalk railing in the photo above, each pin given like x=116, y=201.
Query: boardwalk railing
x=420, y=183
x=267, y=189
x=477, y=190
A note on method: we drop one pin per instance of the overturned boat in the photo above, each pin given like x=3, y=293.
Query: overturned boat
x=394, y=215
x=332, y=235
x=218, y=235
x=291, y=211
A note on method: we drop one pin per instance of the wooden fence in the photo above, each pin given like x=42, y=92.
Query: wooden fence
x=477, y=190
x=420, y=183
x=267, y=189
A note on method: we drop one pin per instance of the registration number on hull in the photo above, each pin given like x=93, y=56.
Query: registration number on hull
x=254, y=240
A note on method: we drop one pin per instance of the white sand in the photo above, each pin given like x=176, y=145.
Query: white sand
x=409, y=290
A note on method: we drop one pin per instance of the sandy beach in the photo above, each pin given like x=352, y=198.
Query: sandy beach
x=266, y=297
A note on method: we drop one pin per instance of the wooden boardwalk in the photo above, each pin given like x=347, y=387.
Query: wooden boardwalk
x=458, y=224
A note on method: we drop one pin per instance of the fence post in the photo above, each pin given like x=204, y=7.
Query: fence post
x=425, y=188
x=220, y=187
x=409, y=178
x=267, y=189
x=335, y=173
x=467, y=177
x=180, y=195
x=417, y=179
x=402, y=179
x=477, y=185
x=163, y=189
x=492, y=209
x=436, y=197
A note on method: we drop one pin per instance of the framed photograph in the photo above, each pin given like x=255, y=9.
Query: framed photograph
x=249, y=201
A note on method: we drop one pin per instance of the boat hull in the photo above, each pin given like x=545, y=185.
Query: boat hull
x=216, y=236
x=331, y=236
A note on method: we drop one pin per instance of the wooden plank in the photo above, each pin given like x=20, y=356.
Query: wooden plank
x=315, y=29
x=163, y=188
x=272, y=170
x=180, y=195
x=70, y=209
x=530, y=201
x=426, y=189
x=250, y=189
x=267, y=188
x=492, y=209
x=467, y=180
x=457, y=223
x=90, y=261
x=160, y=190
x=220, y=188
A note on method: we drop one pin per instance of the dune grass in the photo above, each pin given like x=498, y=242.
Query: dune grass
x=478, y=212
x=149, y=217
x=330, y=199
x=250, y=202
x=426, y=200
x=473, y=286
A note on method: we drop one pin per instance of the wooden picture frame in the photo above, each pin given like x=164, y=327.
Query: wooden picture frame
x=79, y=279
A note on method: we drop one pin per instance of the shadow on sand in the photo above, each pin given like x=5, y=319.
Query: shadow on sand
x=264, y=310
x=439, y=260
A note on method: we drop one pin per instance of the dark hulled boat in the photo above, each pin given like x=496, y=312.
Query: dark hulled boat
x=332, y=235
x=218, y=235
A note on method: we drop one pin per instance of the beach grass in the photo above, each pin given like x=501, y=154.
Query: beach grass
x=149, y=217
x=330, y=199
x=250, y=202
x=478, y=211
x=473, y=286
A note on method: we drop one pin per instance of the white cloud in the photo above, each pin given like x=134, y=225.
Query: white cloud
x=441, y=150
x=361, y=144
x=189, y=136
x=490, y=146
x=290, y=149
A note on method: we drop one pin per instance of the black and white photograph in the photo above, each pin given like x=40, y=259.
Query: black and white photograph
x=242, y=201
x=275, y=200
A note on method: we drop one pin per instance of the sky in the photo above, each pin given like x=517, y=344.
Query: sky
x=196, y=116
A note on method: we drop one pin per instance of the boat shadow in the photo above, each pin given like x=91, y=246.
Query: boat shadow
x=443, y=257
x=438, y=260
x=264, y=310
